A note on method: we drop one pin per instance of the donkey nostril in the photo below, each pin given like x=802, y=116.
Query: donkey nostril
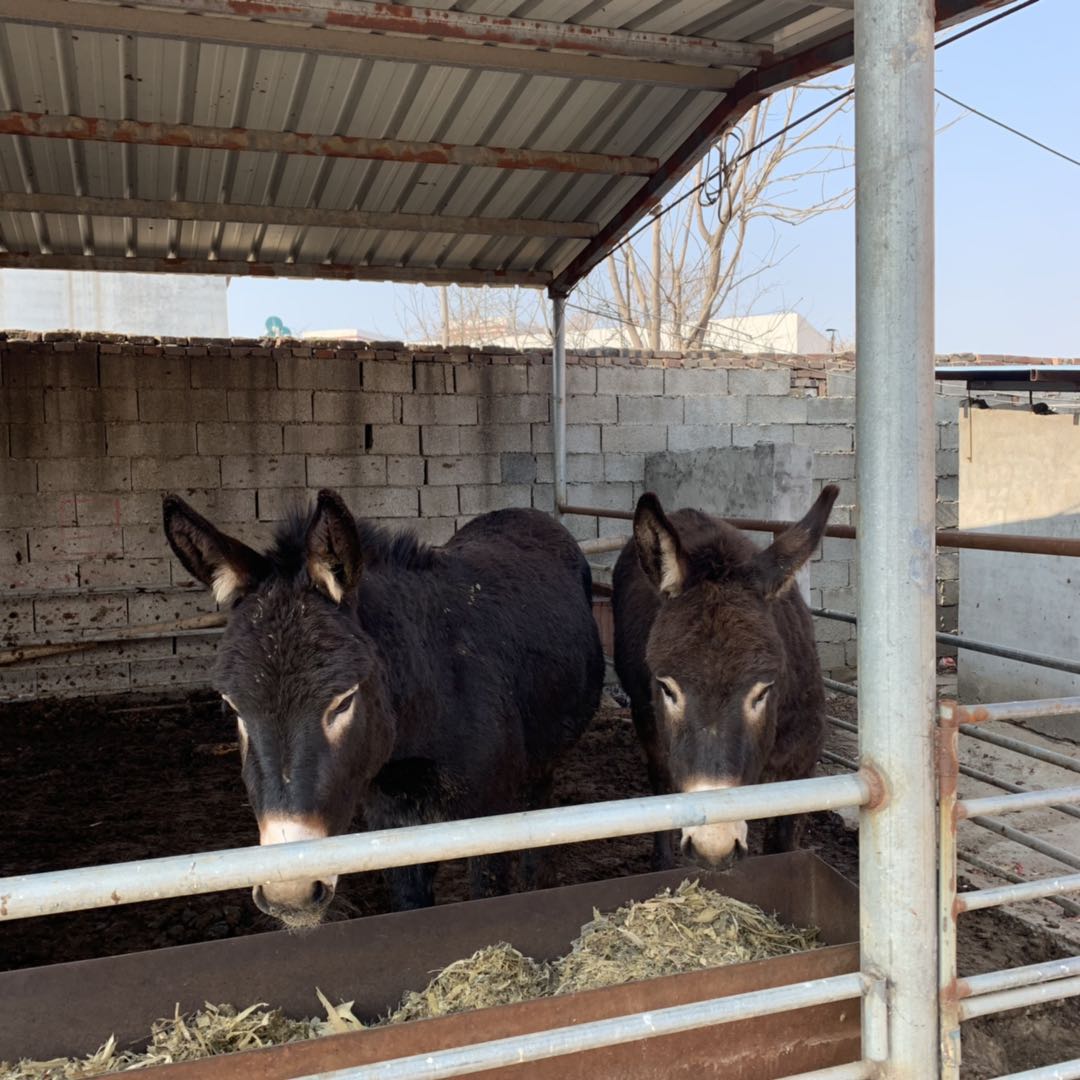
x=321, y=893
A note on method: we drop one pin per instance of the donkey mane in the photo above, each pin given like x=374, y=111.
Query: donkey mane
x=401, y=550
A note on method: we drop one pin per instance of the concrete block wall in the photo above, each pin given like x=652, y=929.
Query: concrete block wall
x=95, y=429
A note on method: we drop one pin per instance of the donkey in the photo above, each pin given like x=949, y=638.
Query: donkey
x=417, y=684
x=716, y=649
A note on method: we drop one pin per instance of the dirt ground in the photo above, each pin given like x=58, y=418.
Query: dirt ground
x=100, y=781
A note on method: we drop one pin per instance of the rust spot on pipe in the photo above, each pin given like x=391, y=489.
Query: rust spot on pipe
x=875, y=781
x=3, y=904
x=114, y=896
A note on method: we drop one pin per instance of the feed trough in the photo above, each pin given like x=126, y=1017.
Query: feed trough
x=372, y=961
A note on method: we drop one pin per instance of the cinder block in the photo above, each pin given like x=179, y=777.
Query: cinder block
x=695, y=382
x=830, y=574
x=18, y=476
x=188, y=672
x=947, y=463
x=382, y=502
x=490, y=380
x=698, y=436
x=23, y=406
x=841, y=598
x=543, y=497
x=544, y=468
x=584, y=469
x=336, y=407
x=387, y=377
x=275, y=504
x=948, y=436
x=18, y=683
x=831, y=631
x=78, y=680
x=948, y=566
x=148, y=608
x=57, y=440
x=948, y=514
x=647, y=382
x=752, y=382
x=829, y=438
x=95, y=474
x=948, y=488
x=761, y=433
x=267, y=405
x=946, y=410
x=715, y=410
x=325, y=439
x=837, y=550
x=233, y=372
x=439, y=409
x=832, y=467
x=520, y=409
x=480, y=498
x=167, y=474
x=88, y=404
x=359, y=470
x=106, y=508
x=38, y=576
x=948, y=593
x=625, y=466
x=123, y=573
x=635, y=439
x=16, y=620
x=405, y=471
x=433, y=378
x=591, y=409
x=603, y=496
x=830, y=656
x=74, y=543
x=477, y=469
x=518, y=468
x=644, y=410
x=173, y=405
x=45, y=367
x=310, y=373
x=434, y=531
x=13, y=547
x=439, y=502
x=134, y=369
x=394, y=439
x=841, y=384
x=829, y=410
x=580, y=379
x=776, y=410
x=73, y=616
x=583, y=438
x=493, y=439
x=440, y=439
x=151, y=440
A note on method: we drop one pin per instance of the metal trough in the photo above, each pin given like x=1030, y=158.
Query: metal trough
x=373, y=960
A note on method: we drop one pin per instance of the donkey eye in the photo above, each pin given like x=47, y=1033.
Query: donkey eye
x=762, y=694
x=668, y=691
x=342, y=708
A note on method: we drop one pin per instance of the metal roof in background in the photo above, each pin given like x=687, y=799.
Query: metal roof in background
x=477, y=142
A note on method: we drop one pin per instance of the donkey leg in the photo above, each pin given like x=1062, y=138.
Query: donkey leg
x=537, y=871
x=411, y=886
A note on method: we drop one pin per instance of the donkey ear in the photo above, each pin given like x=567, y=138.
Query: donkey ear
x=334, y=556
x=658, y=547
x=227, y=566
x=778, y=564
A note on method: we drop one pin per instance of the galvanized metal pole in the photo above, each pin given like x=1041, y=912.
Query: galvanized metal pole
x=894, y=141
x=558, y=401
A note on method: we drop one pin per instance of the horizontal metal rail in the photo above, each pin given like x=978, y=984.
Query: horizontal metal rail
x=1020, y=998
x=1010, y=804
x=48, y=893
x=1012, y=710
x=841, y=687
x=615, y=1031
x=999, y=871
x=1044, y=889
x=1039, y=753
x=1065, y=1070
x=1010, y=978
x=1057, y=663
x=1066, y=858
x=944, y=538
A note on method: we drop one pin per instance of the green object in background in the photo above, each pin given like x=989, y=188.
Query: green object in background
x=276, y=328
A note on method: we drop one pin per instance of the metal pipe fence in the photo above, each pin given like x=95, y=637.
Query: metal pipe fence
x=186, y=875
x=578, y=1038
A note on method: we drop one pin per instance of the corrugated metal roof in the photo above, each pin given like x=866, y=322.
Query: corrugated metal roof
x=205, y=81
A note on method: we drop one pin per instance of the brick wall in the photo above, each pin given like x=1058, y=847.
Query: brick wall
x=93, y=430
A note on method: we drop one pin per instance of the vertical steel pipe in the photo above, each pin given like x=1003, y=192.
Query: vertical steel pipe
x=558, y=401
x=894, y=145
x=948, y=776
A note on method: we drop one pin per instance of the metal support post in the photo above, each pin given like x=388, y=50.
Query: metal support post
x=894, y=141
x=948, y=775
x=558, y=401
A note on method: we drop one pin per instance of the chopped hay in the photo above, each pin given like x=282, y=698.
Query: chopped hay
x=690, y=929
x=497, y=975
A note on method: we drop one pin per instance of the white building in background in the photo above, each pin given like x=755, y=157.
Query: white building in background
x=783, y=332
x=170, y=305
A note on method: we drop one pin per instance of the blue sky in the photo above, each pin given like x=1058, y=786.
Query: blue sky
x=1007, y=215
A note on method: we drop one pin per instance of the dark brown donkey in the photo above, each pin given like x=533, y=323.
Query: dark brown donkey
x=715, y=646
x=415, y=683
